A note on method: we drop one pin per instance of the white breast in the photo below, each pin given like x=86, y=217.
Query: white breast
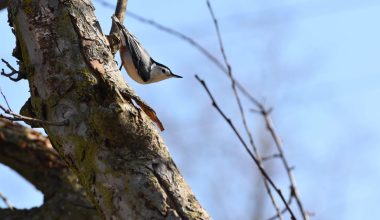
x=128, y=65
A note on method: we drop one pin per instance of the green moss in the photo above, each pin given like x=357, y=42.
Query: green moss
x=37, y=104
x=29, y=7
x=61, y=29
x=106, y=195
x=88, y=78
x=86, y=155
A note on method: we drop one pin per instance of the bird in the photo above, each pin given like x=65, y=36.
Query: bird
x=139, y=65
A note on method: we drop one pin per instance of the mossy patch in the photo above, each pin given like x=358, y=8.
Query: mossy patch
x=29, y=7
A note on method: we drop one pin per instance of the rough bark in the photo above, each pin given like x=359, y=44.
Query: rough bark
x=32, y=156
x=110, y=144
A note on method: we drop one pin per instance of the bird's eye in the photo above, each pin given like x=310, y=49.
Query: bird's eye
x=163, y=70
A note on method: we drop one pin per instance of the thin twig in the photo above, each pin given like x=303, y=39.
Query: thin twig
x=261, y=169
x=241, y=109
x=277, y=216
x=270, y=127
x=269, y=191
x=18, y=117
x=9, y=66
x=279, y=145
x=273, y=156
x=5, y=99
x=284, y=209
x=6, y=201
x=221, y=47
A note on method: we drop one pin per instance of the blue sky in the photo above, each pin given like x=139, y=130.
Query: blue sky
x=315, y=62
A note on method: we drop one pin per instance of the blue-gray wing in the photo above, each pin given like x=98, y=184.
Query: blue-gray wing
x=140, y=57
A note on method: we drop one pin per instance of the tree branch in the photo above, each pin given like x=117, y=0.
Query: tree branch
x=18, y=117
x=26, y=119
x=120, y=10
x=20, y=75
x=32, y=156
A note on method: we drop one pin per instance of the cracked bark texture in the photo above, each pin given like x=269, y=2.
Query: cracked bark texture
x=111, y=145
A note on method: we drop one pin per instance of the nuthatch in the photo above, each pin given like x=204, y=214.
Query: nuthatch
x=139, y=65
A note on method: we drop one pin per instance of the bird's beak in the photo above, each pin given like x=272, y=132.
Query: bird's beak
x=176, y=76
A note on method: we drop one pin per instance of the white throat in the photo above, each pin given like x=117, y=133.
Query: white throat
x=156, y=74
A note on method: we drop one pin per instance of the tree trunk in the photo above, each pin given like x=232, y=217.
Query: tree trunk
x=109, y=143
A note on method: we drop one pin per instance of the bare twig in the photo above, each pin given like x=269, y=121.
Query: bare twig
x=5, y=99
x=269, y=191
x=18, y=117
x=276, y=138
x=270, y=127
x=273, y=156
x=284, y=209
x=259, y=166
x=6, y=201
x=268, y=120
x=241, y=109
x=20, y=75
x=277, y=216
x=221, y=47
x=8, y=65
x=310, y=214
